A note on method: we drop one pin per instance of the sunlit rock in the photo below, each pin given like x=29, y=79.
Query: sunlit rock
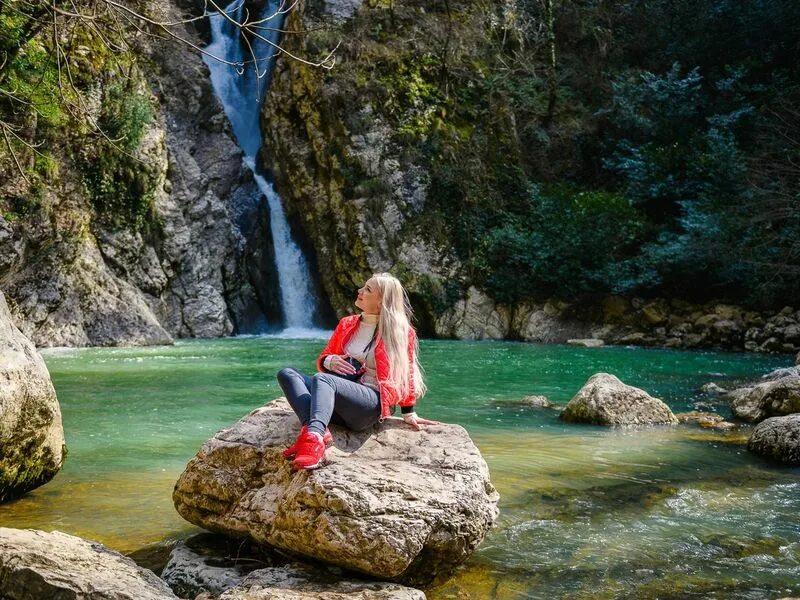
x=35, y=565
x=536, y=402
x=586, y=342
x=781, y=373
x=390, y=502
x=707, y=420
x=605, y=400
x=778, y=439
x=31, y=435
x=712, y=389
x=768, y=399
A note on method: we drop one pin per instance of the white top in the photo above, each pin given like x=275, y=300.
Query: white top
x=355, y=348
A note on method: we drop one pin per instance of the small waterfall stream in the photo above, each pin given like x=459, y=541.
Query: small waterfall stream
x=242, y=95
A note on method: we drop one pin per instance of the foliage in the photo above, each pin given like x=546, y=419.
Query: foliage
x=645, y=179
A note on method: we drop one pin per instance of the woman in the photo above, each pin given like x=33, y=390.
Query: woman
x=368, y=366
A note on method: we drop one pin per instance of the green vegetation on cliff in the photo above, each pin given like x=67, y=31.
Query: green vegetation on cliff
x=585, y=148
x=72, y=95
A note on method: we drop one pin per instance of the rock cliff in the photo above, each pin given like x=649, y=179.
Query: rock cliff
x=142, y=244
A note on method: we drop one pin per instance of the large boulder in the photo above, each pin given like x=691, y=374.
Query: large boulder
x=31, y=435
x=778, y=439
x=768, y=399
x=605, y=400
x=35, y=565
x=390, y=502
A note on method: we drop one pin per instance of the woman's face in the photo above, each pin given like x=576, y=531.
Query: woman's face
x=369, y=298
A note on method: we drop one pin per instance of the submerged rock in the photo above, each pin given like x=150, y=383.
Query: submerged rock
x=605, y=400
x=778, y=439
x=390, y=502
x=35, y=565
x=296, y=582
x=536, y=402
x=707, y=420
x=768, y=399
x=32, y=446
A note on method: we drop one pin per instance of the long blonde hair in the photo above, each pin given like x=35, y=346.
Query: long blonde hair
x=393, y=327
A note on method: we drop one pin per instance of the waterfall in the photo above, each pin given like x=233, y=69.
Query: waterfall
x=242, y=94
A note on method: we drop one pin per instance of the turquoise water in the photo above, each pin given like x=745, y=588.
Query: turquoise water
x=587, y=512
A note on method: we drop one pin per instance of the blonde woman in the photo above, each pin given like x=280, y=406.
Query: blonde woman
x=368, y=367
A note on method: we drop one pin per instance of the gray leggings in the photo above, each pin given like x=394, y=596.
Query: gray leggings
x=326, y=398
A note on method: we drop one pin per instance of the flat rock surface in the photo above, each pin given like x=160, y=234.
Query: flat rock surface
x=605, y=400
x=31, y=435
x=35, y=565
x=390, y=502
x=778, y=439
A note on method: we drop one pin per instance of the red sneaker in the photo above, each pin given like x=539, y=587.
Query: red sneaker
x=310, y=452
x=292, y=450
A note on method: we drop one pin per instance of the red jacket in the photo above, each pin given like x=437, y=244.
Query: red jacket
x=346, y=328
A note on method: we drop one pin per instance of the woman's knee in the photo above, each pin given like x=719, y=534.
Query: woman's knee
x=286, y=374
x=323, y=378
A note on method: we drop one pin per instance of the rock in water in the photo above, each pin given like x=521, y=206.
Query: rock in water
x=605, y=400
x=35, y=565
x=768, y=399
x=390, y=502
x=31, y=435
x=295, y=582
x=778, y=439
x=586, y=342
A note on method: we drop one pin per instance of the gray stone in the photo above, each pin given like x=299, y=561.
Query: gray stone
x=31, y=435
x=297, y=582
x=781, y=373
x=389, y=502
x=777, y=439
x=476, y=317
x=342, y=9
x=712, y=389
x=768, y=399
x=605, y=400
x=192, y=569
x=536, y=402
x=35, y=565
x=586, y=342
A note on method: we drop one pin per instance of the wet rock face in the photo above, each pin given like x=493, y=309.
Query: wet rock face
x=772, y=398
x=605, y=400
x=390, y=502
x=36, y=565
x=31, y=435
x=778, y=439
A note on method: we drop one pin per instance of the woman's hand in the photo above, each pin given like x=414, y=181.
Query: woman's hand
x=416, y=421
x=340, y=366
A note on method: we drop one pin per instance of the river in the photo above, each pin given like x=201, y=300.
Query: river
x=586, y=512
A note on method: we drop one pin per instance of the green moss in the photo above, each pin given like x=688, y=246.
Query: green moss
x=24, y=466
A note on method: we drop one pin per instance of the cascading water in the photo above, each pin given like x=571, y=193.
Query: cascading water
x=242, y=93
